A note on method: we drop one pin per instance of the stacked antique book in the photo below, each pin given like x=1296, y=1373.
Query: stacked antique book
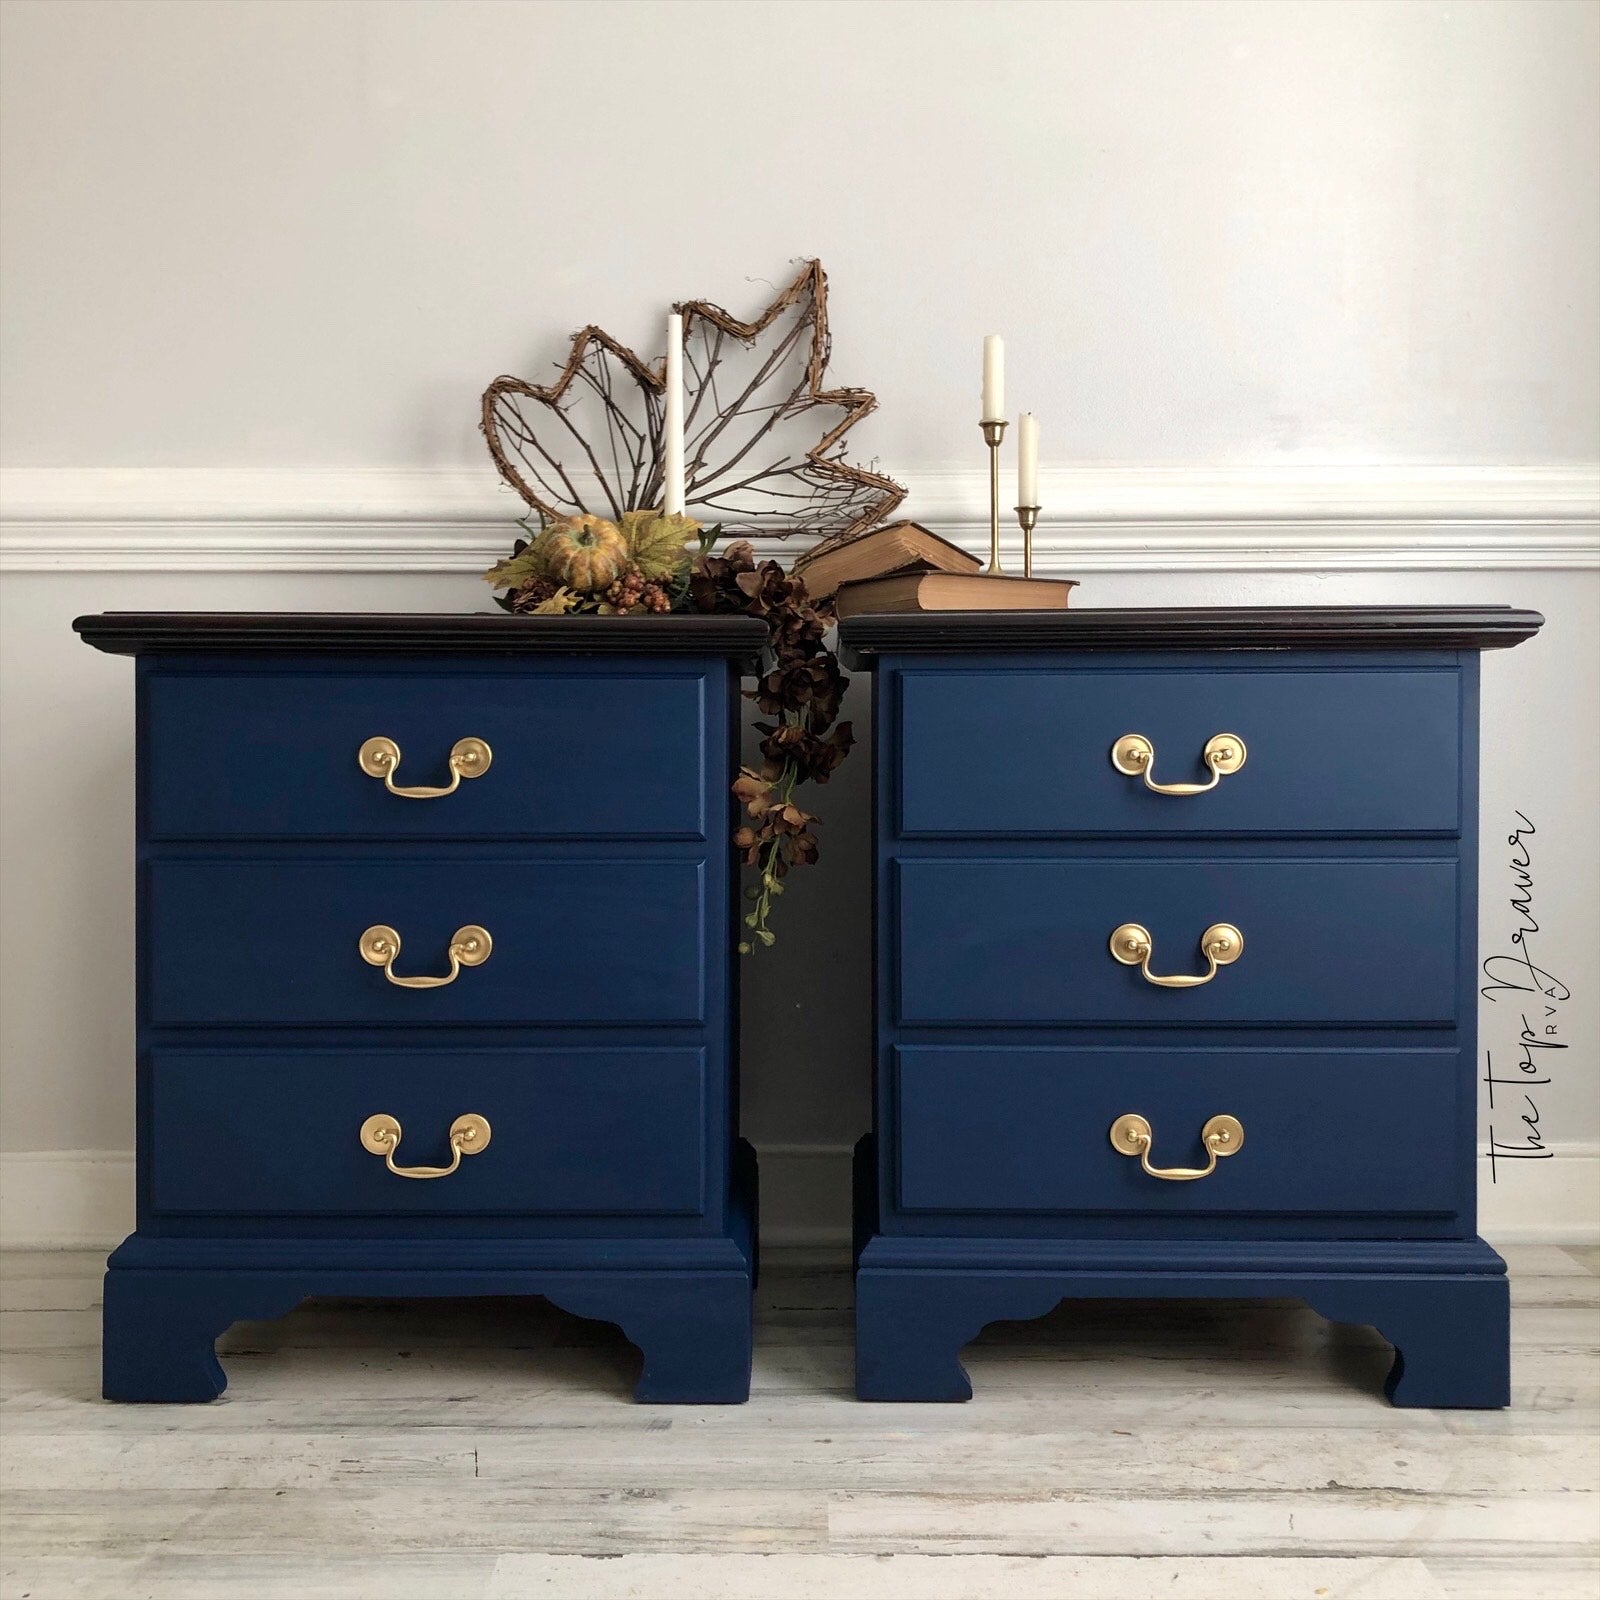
x=906, y=567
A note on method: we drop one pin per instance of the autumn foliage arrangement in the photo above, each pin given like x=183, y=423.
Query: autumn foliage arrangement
x=638, y=564
x=647, y=562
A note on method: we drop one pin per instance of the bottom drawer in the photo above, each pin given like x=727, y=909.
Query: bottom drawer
x=595, y=1131
x=1325, y=1131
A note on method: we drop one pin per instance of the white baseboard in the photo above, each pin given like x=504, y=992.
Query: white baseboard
x=1554, y=1201
x=805, y=1194
x=83, y=1199
x=65, y=1199
x=1098, y=517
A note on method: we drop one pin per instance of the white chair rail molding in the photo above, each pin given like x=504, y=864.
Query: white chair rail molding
x=1152, y=518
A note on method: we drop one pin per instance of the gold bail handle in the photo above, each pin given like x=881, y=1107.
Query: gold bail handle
x=469, y=1136
x=1222, y=1136
x=1221, y=944
x=379, y=757
x=469, y=947
x=1134, y=756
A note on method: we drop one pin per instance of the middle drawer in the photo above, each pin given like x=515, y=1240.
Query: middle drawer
x=279, y=942
x=1359, y=940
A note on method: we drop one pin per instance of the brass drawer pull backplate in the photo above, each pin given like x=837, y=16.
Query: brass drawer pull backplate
x=470, y=947
x=379, y=757
x=1135, y=757
x=1221, y=944
x=1222, y=1136
x=469, y=1136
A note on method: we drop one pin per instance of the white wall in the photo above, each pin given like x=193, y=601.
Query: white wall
x=243, y=232
x=1305, y=295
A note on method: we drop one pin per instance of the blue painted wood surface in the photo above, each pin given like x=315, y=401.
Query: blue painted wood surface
x=275, y=939
x=576, y=1130
x=1325, y=941
x=1350, y=749
x=1008, y=1039
x=684, y=1303
x=599, y=1039
x=993, y=1129
x=579, y=751
x=1451, y=1332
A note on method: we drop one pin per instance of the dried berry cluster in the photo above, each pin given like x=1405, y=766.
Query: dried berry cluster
x=631, y=591
x=802, y=690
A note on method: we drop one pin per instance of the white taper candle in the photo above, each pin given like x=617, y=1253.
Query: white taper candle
x=994, y=378
x=1027, y=459
x=672, y=421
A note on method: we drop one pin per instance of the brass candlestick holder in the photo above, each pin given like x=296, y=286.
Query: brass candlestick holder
x=1027, y=516
x=993, y=433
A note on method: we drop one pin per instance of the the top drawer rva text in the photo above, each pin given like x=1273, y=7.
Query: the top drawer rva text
x=541, y=755
x=1246, y=750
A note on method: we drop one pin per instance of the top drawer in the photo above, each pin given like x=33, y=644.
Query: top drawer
x=1346, y=750
x=582, y=754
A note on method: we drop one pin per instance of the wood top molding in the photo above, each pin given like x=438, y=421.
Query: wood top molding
x=1188, y=628
x=132, y=633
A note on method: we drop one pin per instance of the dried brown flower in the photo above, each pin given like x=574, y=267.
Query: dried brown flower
x=803, y=688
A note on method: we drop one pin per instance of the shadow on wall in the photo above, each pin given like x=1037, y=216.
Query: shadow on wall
x=806, y=1022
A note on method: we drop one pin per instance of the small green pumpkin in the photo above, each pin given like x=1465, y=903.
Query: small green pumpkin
x=585, y=553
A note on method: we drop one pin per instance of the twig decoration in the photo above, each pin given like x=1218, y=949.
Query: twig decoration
x=600, y=451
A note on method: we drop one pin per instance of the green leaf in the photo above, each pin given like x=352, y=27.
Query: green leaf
x=515, y=570
x=657, y=543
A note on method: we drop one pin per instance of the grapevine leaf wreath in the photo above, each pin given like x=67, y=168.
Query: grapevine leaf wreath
x=586, y=455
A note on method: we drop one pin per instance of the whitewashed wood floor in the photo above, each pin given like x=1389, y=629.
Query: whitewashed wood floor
x=467, y=1450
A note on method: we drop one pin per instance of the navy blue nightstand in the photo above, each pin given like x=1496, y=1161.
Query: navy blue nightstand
x=1176, y=925
x=435, y=980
